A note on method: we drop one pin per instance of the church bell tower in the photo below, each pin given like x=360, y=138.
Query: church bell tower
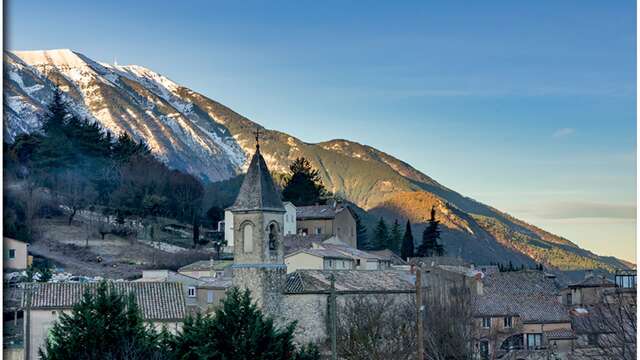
x=258, y=220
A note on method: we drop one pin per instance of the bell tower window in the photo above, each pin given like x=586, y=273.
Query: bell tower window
x=272, y=236
x=247, y=238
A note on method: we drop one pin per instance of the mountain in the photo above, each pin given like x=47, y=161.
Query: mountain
x=193, y=133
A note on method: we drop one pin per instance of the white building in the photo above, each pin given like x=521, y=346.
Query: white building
x=16, y=255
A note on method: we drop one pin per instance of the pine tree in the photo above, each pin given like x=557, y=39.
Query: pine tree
x=240, y=331
x=395, y=237
x=406, y=251
x=104, y=325
x=362, y=238
x=304, y=186
x=430, y=236
x=380, y=235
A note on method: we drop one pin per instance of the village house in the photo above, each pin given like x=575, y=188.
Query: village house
x=588, y=291
x=318, y=259
x=603, y=315
x=335, y=219
x=162, y=305
x=519, y=314
x=16, y=256
x=207, y=269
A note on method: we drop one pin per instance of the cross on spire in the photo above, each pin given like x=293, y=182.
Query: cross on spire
x=257, y=138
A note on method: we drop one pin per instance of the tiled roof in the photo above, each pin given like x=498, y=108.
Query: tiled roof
x=317, y=212
x=528, y=294
x=293, y=242
x=310, y=281
x=594, y=281
x=323, y=253
x=258, y=191
x=207, y=265
x=389, y=256
x=353, y=252
x=157, y=300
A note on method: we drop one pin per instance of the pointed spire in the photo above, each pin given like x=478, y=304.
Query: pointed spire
x=258, y=191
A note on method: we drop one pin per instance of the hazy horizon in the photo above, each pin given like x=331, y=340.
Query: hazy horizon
x=538, y=121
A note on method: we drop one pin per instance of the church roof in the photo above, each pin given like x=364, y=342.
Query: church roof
x=258, y=191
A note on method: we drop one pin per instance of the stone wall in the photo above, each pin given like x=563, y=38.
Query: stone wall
x=310, y=311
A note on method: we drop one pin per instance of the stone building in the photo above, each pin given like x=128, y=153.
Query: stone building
x=518, y=314
x=258, y=223
x=334, y=219
x=162, y=305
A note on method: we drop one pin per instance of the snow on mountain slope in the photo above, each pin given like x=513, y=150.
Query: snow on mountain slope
x=131, y=99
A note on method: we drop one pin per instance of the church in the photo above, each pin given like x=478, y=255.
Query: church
x=258, y=222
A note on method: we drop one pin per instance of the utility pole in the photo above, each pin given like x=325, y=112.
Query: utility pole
x=333, y=317
x=420, y=311
x=28, y=290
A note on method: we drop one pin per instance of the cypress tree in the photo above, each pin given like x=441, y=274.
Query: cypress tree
x=430, y=236
x=380, y=235
x=406, y=251
x=362, y=238
x=395, y=237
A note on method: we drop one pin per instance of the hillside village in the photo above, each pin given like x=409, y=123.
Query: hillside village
x=303, y=264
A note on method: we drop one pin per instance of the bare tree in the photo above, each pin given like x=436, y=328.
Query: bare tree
x=448, y=321
x=76, y=193
x=609, y=326
x=376, y=327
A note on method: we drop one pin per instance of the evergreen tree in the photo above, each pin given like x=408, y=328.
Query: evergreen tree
x=380, y=235
x=406, y=251
x=430, y=236
x=55, y=150
x=362, y=238
x=238, y=331
x=304, y=186
x=104, y=325
x=395, y=237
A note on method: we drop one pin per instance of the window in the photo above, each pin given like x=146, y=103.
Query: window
x=508, y=321
x=318, y=231
x=191, y=291
x=272, y=236
x=484, y=350
x=12, y=254
x=330, y=264
x=534, y=341
x=357, y=262
x=569, y=299
x=210, y=296
x=486, y=322
x=626, y=281
x=247, y=238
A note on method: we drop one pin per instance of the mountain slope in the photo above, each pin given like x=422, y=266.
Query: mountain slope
x=193, y=133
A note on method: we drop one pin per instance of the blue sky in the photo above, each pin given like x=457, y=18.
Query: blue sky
x=526, y=106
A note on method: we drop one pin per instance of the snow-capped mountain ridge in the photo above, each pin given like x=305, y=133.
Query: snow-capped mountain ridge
x=129, y=98
x=193, y=133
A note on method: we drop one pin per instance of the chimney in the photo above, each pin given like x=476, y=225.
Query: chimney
x=479, y=285
x=588, y=274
